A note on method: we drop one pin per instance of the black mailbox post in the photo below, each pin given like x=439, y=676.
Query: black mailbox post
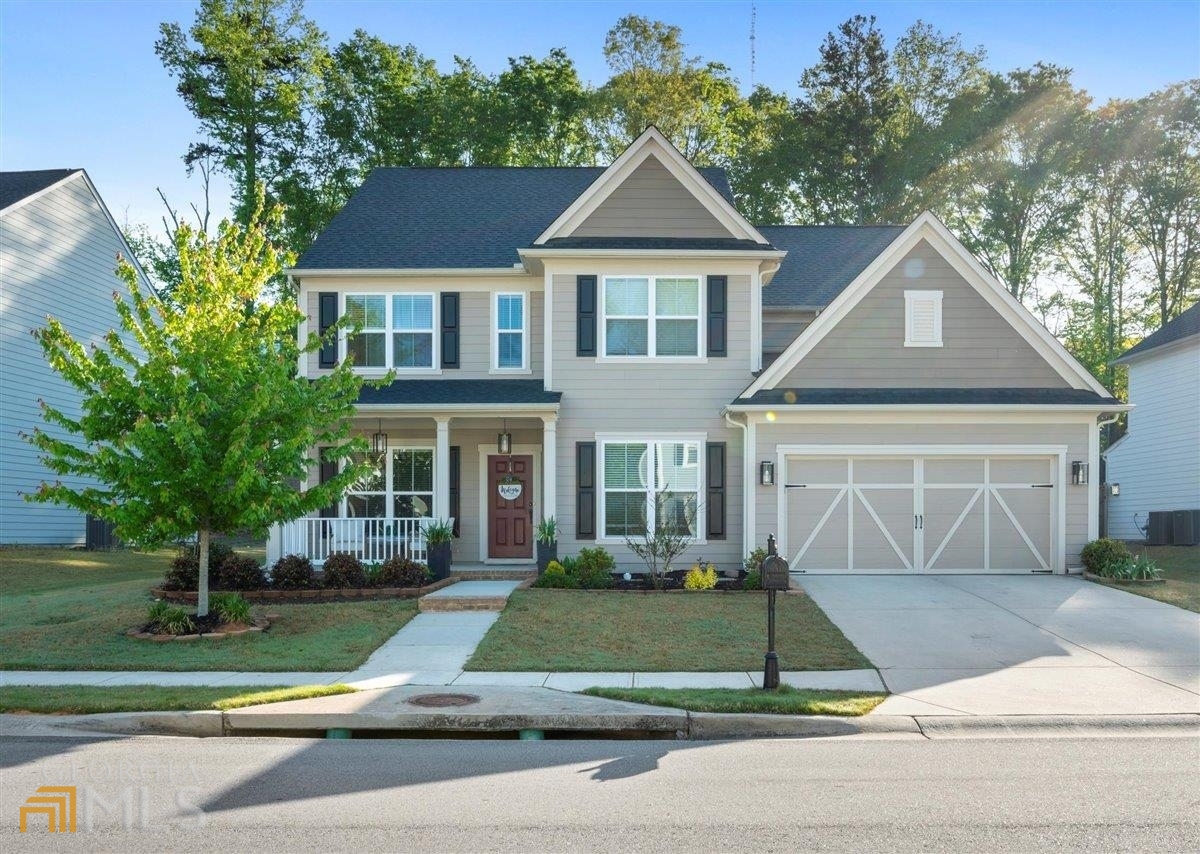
x=774, y=573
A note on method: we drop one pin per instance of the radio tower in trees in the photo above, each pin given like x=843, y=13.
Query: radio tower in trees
x=753, y=26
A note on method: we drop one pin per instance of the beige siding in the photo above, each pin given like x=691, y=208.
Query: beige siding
x=866, y=349
x=781, y=328
x=57, y=255
x=651, y=203
x=1073, y=436
x=475, y=337
x=648, y=397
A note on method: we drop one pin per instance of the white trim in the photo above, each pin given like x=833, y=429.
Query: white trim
x=526, y=333
x=750, y=486
x=885, y=410
x=652, y=318
x=911, y=300
x=554, y=253
x=921, y=415
x=900, y=450
x=1093, y=484
x=649, y=439
x=405, y=272
x=431, y=409
x=651, y=142
x=19, y=203
x=547, y=330
x=756, y=320
x=1158, y=349
x=389, y=494
x=928, y=227
x=485, y=533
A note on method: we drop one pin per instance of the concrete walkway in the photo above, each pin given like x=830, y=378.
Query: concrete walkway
x=1012, y=645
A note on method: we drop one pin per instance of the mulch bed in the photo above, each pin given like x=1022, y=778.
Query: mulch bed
x=209, y=626
x=672, y=583
x=320, y=594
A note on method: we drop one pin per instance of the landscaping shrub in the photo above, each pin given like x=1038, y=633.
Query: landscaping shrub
x=238, y=572
x=292, y=572
x=230, y=607
x=1141, y=569
x=184, y=573
x=754, y=560
x=700, y=579
x=594, y=569
x=168, y=619
x=400, y=571
x=1099, y=556
x=753, y=580
x=343, y=569
x=557, y=577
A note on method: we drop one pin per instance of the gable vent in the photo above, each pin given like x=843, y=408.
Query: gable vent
x=922, y=318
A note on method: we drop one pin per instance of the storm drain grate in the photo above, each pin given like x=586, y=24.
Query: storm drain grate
x=437, y=701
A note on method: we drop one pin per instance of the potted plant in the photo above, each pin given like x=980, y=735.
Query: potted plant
x=438, y=534
x=547, y=543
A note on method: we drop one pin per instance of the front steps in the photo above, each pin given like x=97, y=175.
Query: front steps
x=486, y=572
x=472, y=595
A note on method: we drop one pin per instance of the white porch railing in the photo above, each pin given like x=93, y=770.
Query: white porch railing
x=370, y=540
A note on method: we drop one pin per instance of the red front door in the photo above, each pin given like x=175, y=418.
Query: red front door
x=510, y=521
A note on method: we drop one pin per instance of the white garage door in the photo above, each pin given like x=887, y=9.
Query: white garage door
x=919, y=514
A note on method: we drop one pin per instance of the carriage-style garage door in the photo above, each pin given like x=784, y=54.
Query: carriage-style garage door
x=932, y=513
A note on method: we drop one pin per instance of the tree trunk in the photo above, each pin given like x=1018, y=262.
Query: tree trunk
x=202, y=587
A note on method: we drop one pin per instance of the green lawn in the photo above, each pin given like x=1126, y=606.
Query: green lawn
x=92, y=699
x=782, y=701
x=1181, y=569
x=609, y=631
x=65, y=609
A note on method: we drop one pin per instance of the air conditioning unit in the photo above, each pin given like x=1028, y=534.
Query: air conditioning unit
x=1185, y=527
x=1159, y=528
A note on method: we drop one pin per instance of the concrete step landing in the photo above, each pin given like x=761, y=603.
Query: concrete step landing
x=470, y=596
x=483, y=572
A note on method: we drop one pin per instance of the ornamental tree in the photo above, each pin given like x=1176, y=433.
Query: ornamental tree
x=196, y=422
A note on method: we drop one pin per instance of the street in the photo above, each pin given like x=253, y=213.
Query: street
x=169, y=794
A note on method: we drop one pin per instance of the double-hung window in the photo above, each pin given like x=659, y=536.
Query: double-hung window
x=392, y=330
x=367, y=496
x=650, y=485
x=509, y=344
x=652, y=316
x=399, y=485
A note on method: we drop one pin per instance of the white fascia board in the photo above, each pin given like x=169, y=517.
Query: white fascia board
x=928, y=227
x=650, y=142
x=740, y=254
x=400, y=272
x=929, y=407
x=1158, y=350
x=514, y=410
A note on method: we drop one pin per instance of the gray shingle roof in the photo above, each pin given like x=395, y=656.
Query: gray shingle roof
x=784, y=397
x=452, y=392
x=405, y=218
x=653, y=243
x=1184, y=326
x=15, y=186
x=822, y=260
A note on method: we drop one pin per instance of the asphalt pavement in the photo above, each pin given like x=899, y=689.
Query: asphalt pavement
x=777, y=795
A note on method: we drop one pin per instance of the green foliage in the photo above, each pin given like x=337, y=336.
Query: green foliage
x=168, y=619
x=200, y=422
x=547, y=531
x=400, y=571
x=184, y=572
x=753, y=580
x=754, y=560
x=231, y=608
x=292, y=572
x=439, y=531
x=700, y=579
x=1099, y=555
x=342, y=569
x=557, y=577
x=594, y=568
x=1141, y=568
x=239, y=572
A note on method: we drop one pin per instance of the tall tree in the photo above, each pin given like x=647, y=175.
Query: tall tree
x=1015, y=196
x=1165, y=214
x=696, y=105
x=543, y=108
x=248, y=70
x=761, y=179
x=204, y=427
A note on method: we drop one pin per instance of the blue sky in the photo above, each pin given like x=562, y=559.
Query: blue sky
x=80, y=84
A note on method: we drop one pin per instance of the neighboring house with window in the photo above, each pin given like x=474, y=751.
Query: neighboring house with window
x=58, y=252
x=1157, y=461
x=626, y=347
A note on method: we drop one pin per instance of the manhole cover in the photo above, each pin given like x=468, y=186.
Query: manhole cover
x=438, y=701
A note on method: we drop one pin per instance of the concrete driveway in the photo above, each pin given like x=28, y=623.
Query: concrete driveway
x=1011, y=645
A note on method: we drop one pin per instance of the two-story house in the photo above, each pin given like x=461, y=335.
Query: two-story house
x=624, y=345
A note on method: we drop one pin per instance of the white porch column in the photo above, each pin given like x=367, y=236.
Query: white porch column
x=549, y=466
x=441, y=470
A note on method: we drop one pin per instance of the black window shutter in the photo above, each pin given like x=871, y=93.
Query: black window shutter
x=327, y=307
x=455, y=475
x=718, y=315
x=585, y=490
x=450, y=330
x=715, y=454
x=585, y=316
x=327, y=471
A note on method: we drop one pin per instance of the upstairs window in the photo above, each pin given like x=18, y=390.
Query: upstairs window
x=509, y=344
x=922, y=318
x=394, y=331
x=652, y=316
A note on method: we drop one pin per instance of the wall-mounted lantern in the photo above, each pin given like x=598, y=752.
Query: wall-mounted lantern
x=1114, y=489
x=766, y=473
x=1079, y=473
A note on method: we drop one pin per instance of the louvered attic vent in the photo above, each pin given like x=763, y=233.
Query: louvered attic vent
x=922, y=318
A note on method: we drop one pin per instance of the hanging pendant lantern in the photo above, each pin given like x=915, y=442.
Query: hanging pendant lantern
x=379, y=441
x=504, y=440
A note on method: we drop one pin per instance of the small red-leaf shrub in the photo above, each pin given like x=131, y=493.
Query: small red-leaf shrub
x=292, y=572
x=343, y=569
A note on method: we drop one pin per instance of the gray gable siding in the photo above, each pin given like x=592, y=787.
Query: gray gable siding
x=650, y=201
x=652, y=397
x=866, y=349
x=57, y=255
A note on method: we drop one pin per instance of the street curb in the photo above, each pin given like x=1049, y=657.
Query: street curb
x=1058, y=726
x=710, y=726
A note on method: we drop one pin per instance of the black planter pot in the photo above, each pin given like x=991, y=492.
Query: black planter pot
x=546, y=552
x=439, y=560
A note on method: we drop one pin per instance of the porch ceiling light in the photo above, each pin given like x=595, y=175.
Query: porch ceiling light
x=379, y=441
x=504, y=442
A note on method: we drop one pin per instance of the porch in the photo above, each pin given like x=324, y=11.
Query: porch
x=444, y=466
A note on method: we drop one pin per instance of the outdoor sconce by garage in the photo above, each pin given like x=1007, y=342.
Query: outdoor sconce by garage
x=1079, y=473
x=1114, y=489
x=766, y=473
